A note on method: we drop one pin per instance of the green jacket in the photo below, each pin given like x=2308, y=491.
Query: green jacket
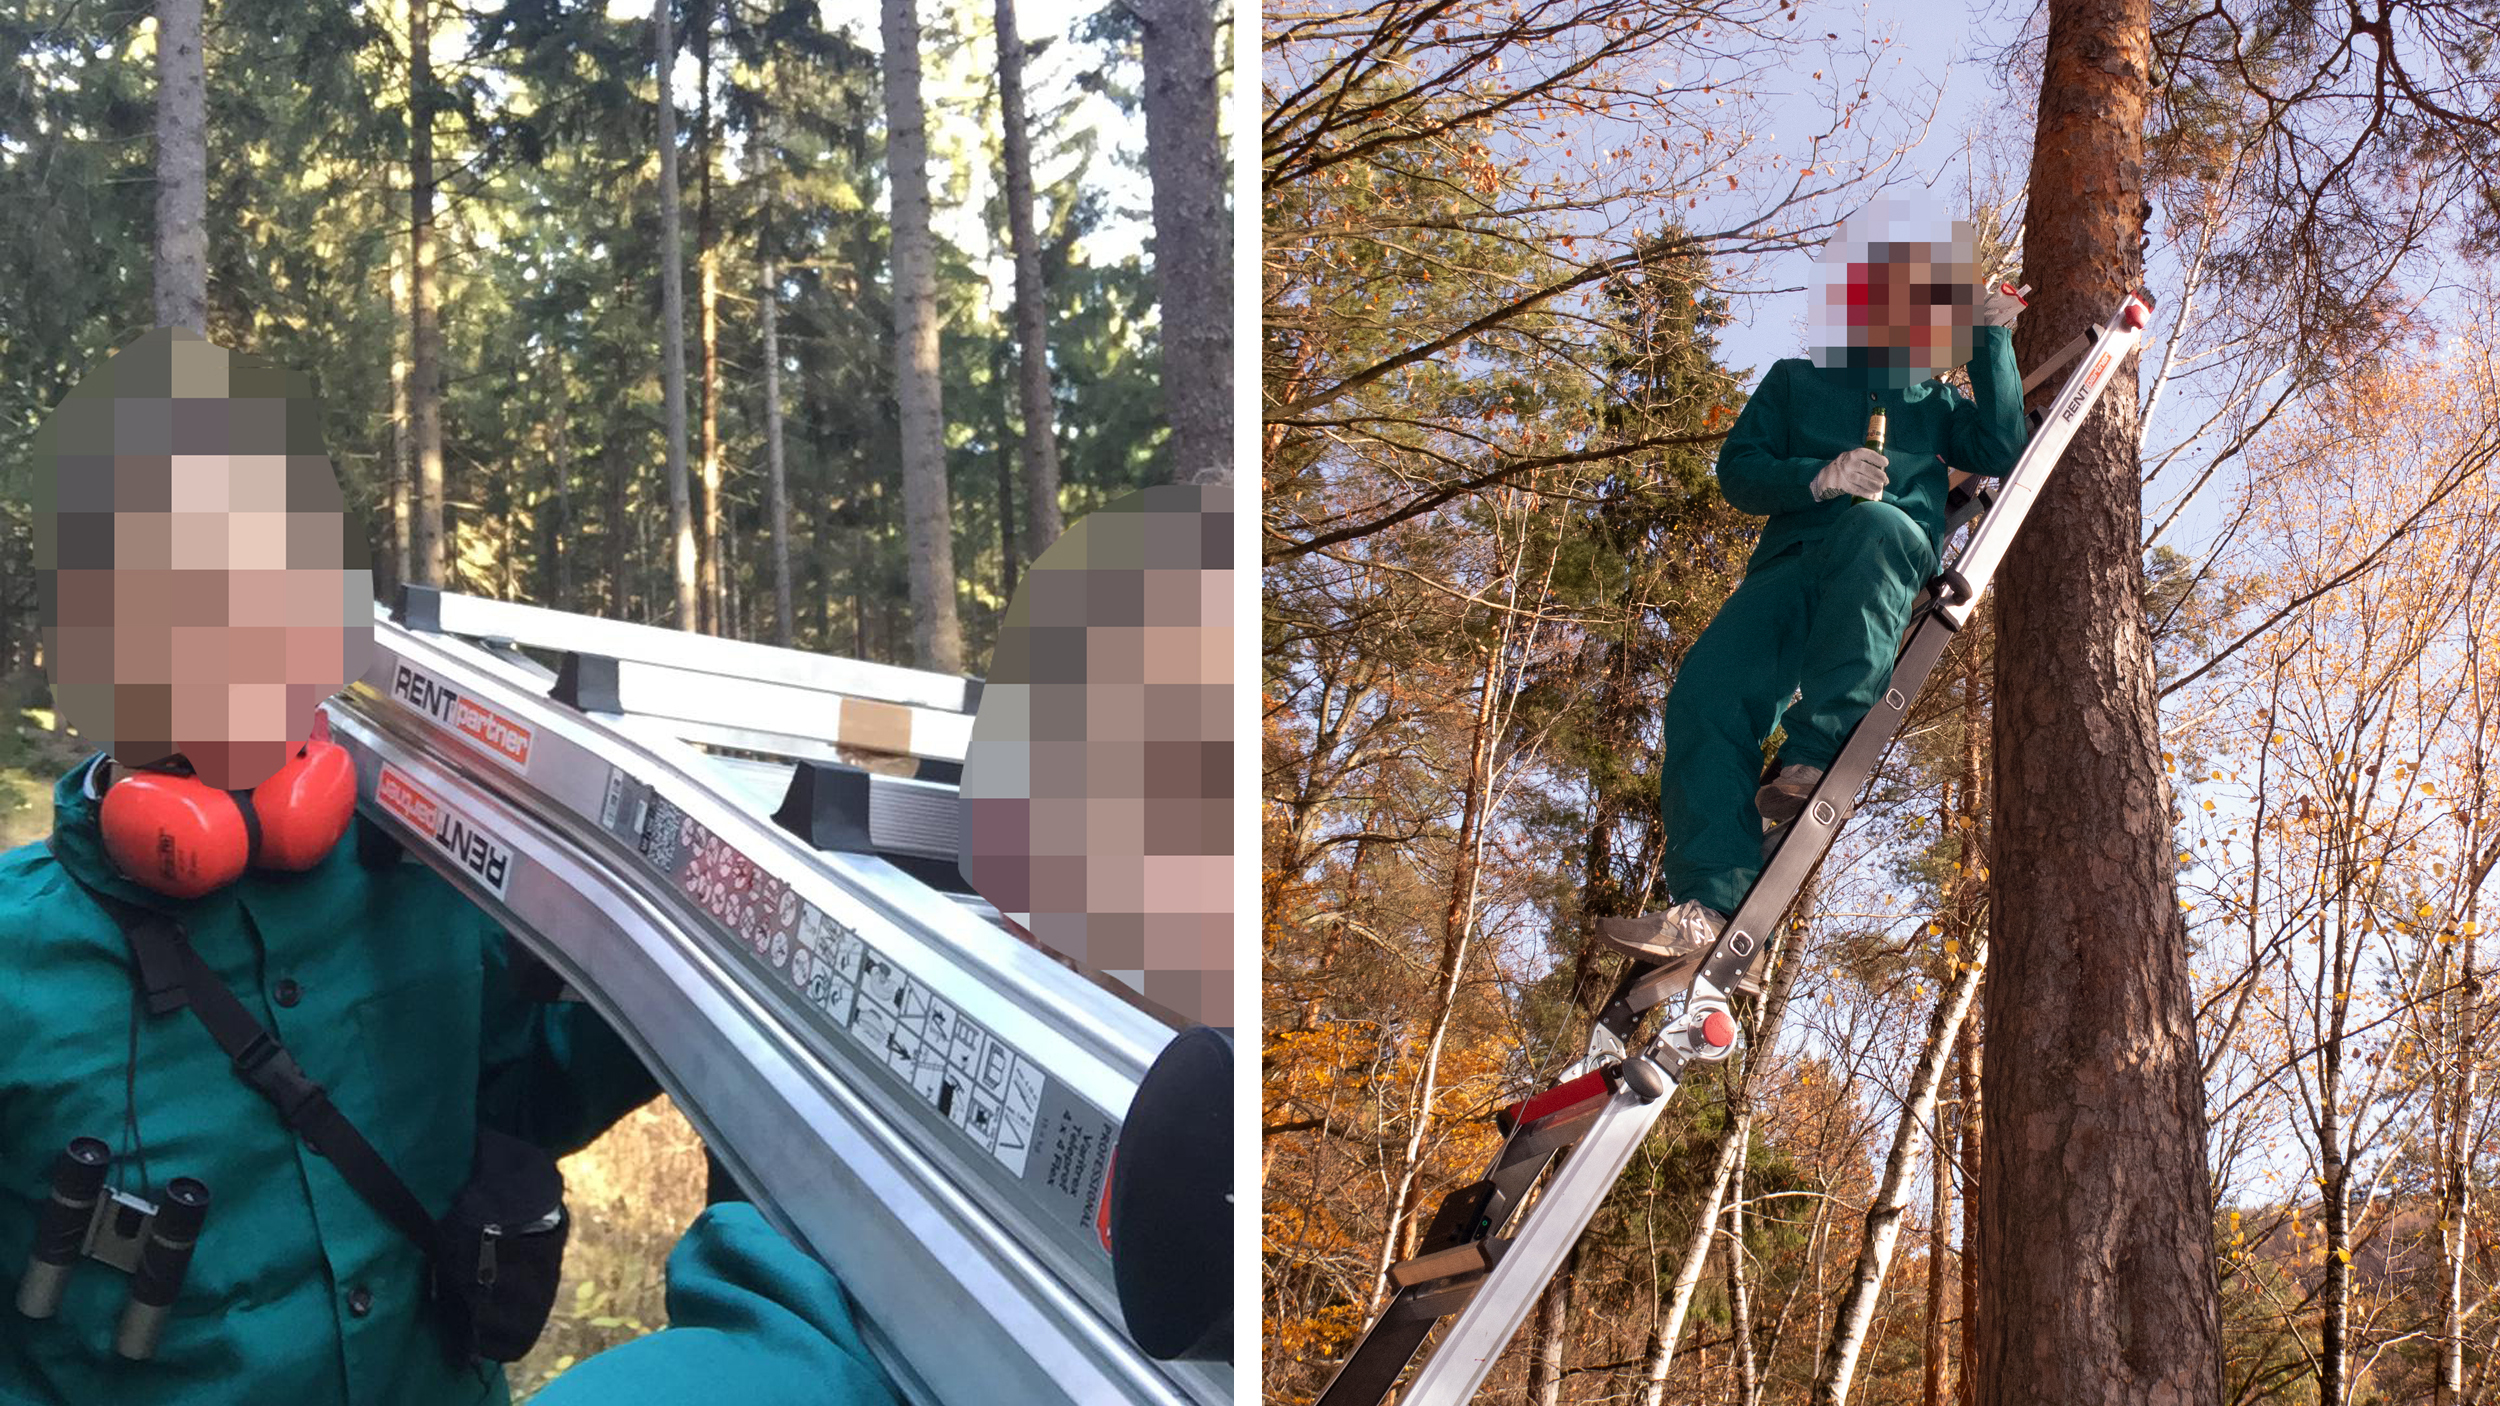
x=1803, y=417
x=391, y=990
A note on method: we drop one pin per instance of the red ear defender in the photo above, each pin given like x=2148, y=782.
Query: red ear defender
x=174, y=834
x=181, y=837
x=304, y=807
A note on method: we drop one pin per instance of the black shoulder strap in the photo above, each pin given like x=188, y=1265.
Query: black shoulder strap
x=172, y=975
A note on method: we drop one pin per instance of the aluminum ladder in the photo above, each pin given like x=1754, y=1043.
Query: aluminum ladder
x=1494, y=1244
x=920, y=1098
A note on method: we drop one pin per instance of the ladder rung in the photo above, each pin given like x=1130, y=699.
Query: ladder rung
x=1440, y=1264
x=1448, y=1298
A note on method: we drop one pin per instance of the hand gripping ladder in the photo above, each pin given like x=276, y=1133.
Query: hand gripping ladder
x=1491, y=1248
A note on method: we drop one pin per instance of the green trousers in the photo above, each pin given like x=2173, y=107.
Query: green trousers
x=753, y=1321
x=1821, y=620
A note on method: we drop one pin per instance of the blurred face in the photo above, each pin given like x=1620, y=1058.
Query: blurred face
x=202, y=587
x=1098, y=787
x=1913, y=303
x=1891, y=298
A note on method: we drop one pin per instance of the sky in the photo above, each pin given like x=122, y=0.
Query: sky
x=1940, y=38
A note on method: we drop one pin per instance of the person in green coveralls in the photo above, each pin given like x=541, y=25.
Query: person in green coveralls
x=201, y=588
x=1853, y=536
x=748, y=1312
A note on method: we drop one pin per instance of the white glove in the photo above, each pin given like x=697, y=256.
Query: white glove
x=1998, y=307
x=1860, y=473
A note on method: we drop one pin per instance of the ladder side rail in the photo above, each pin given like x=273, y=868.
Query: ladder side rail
x=538, y=626
x=1740, y=949
x=1371, y=1371
x=822, y=1152
x=2115, y=341
x=765, y=705
x=1477, y=1337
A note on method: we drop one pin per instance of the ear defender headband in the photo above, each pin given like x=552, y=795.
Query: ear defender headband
x=174, y=834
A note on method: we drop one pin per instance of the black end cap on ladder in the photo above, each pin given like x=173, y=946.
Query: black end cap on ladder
x=587, y=683
x=420, y=608
x=1169, y=1217
x=827, y=806
x=972, y=696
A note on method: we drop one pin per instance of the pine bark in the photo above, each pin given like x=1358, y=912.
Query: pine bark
x=1193, y=234
x=181, y=167
x=426, y=553
x=2097, y=1280
x=928, y=521
x=1039, y=448
x=673, y=329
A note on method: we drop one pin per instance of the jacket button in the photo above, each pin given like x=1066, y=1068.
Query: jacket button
x=360, y=1301
x=288, y=992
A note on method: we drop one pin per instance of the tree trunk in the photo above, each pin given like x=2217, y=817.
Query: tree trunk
x=426, y=562
x=619, y=539
x=1939, y=1210
x=1892, y=1196
x=673, y=329
x=1759, y=1043
x=1040, y=447
x=2334, y=1201
x=1193, y=234
x=403, y=438
x=1004, y=462
x=1457, y=928
x=2097, y=1282
x=928, y=521
x=1740, y=1307
x=182, y=167
x=1966, y=915
x=776, y=485
x=2456, y=1199
x=708, y=547
x=1966, y=1392
x=561, y=540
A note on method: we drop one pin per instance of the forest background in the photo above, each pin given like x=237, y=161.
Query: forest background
x=1503, y=244
x=451, y=218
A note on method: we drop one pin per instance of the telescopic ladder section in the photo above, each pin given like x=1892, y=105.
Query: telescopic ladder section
x=1494, y=1244
x=921, y=1099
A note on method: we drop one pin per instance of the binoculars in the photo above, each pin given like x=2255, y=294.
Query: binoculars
x=86, y=1219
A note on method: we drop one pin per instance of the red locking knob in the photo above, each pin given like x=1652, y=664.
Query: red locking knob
x=2136, y=315
x=1718, y=1030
